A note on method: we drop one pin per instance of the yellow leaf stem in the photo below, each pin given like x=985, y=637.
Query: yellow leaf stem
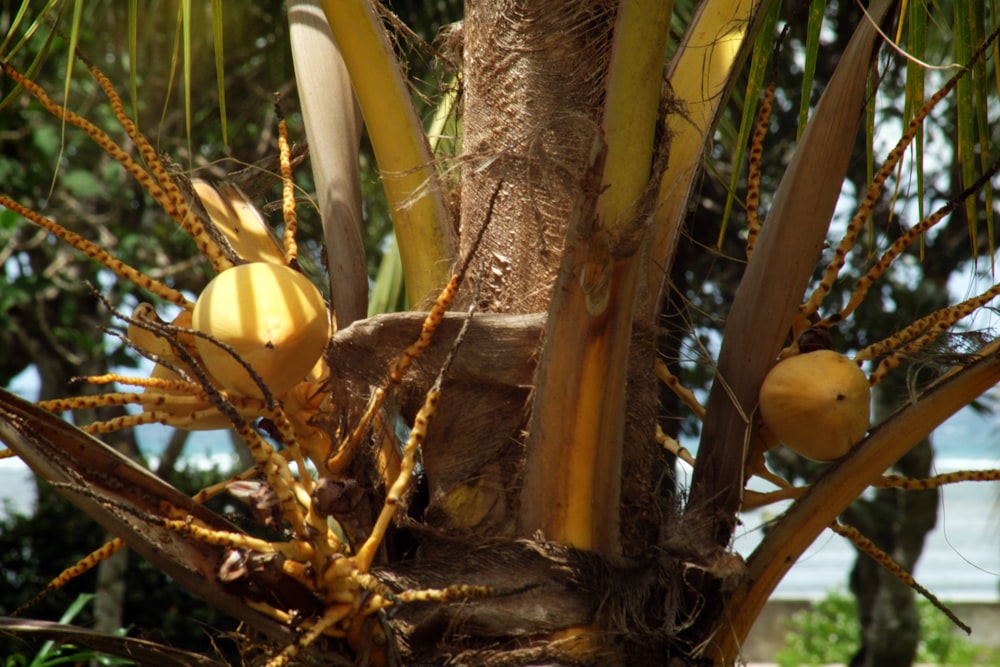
x=573, y=479
x=411, y=184
x=700, y=75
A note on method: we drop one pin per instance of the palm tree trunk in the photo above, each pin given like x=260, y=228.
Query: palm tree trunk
x=109, y=605
x=533, y=83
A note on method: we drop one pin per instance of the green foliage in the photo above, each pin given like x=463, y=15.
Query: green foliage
x=34, y=549
x=940, y=644
x=828, y=633
x=51, y=654
x=388, y=293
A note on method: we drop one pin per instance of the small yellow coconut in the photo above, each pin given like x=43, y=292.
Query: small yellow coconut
x=817, y=403
x=272, y=316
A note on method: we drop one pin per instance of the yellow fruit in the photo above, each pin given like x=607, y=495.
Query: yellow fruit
x=181, y=405
x=272, y=316
x=153, y=343
x=817, y=403
x=145, y=339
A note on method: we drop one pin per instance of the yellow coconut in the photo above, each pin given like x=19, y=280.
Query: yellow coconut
x=272, y=316
x=817, y=403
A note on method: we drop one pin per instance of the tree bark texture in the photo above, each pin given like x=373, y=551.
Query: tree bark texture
x=533, y=90
x=109, y=604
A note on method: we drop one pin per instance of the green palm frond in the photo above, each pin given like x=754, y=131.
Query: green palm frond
x=760, y=59
x=813, y=28
x=133, y=51
x=50, y=15
x=916, y=31
x=220, y=66
x=388, y=294
x=185, y=28
x=973, y=19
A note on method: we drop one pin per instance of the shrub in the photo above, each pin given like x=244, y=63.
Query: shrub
x=829, y=632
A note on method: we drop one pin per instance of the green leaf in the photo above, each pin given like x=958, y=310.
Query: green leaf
x=81, y=183
x=815, y=24
x=50, y=648
x=43, y=19
x=388, y=295
x=916, y=44
x=759, y=60
x=980, y=84
x=133, y=50
x=46, y=140
x=9, y=220
x=74, y=36
x=966, y=35
x=220, y=69
x=186, y=29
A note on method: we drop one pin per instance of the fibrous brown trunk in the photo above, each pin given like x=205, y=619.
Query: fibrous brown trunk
x=534, y=76
x=533, y=83
x=533, y=88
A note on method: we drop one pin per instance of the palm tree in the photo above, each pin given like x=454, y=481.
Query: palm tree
x=548, y=533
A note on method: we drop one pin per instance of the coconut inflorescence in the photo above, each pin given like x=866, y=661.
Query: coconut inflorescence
x=817, y=403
